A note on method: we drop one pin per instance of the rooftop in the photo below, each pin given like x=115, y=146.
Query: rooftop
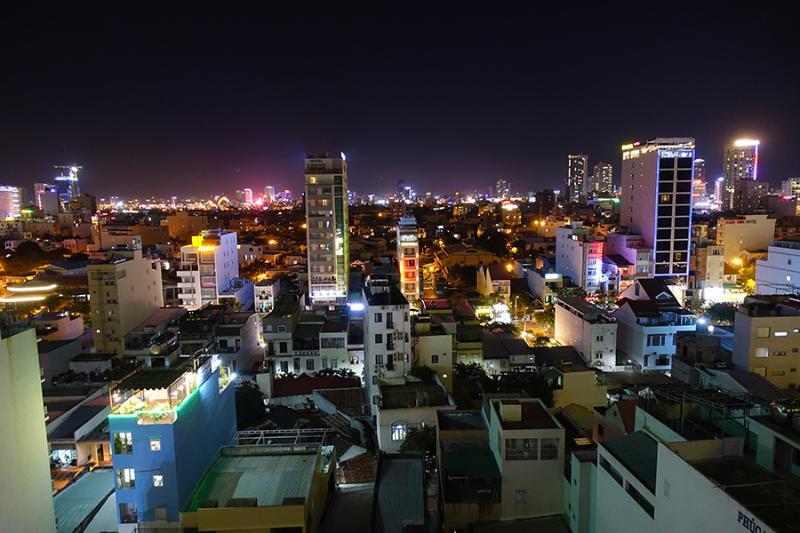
x=637, y=452
x=532, y=415
x=256, y=476
x=412, y=394
x=565, y=358
x=400, y=493
x=460, y=420
x=467, y=466
x=502, y=345
x=378, y=293
x=585, y=310
x=771, y=306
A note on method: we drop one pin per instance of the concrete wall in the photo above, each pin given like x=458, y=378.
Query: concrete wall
x=782, y=355
x=26, y=502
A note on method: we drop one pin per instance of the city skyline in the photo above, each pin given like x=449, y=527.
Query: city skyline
x=465, y=101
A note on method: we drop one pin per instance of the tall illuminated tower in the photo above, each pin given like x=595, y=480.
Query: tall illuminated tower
x=741, y=163
x=408, y=257
x=577, y=168
x=67, y=183
x=327, y=232
x=656, y=199
x=603, y=182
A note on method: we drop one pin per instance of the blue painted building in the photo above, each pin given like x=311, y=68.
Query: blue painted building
x=166, y=427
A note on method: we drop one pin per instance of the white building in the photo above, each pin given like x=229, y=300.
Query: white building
x=542, y=284
x=495, y=279
x=26, y=500
x=646, y=484
x=405, y=403
x=267, y=292
x=648, y=319
x=589, y=330
x=656, y=199
x=580, y=257
x=408, y=257
x=327, y=233
x=779, y=273
x=747, y=233
x=387, y=335
x=208, y=267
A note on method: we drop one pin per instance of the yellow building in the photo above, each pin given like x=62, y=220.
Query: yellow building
x=124, y=290
x=263, y=489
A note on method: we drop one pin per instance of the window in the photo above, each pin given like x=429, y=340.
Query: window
x=399, y=431
x=611, y=470
x=656, y=340
x=283, y=347
x=549, y=449
x=378, y=317
x=520, y=496
x=761, y=351
x=158, y=480
x=379, y=359
x=781, y=333
x=127, y=513
x=599, y=338
x=281, y=329
x=123, y=443
x=309, y=364
x=435, y=359
x=155, y=445
x=126, y=478
x=522, y=449
x=640, y=499
x=379, y=338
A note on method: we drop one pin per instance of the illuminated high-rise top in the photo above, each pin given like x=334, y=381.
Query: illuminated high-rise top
x=740, y=163
x=327, y=228
x=67, y=183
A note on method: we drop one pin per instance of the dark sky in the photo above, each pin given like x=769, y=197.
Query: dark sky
x=172, y=102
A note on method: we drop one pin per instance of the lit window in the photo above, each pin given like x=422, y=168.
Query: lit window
x=781, y=333
x=399, y=431
x=520, y=496
x=123, y=443
x=155, y=445
x=126, y=478
x=761, y=351
x=762, y=333
x=158, y=480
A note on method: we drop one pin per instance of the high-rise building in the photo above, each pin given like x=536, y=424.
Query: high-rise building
x=502, y=188
x=124, y=290
x=166, y=427
x=699, y=189
x=545, y=202
x=208, y=267
x=577, y=167
x=656, y=200
x=46, y=198
x=719, y=190
x=26, y=500
x=740, y=163
x=791, y=187
x=10, y=202
x=269, y=194
x=67, y=183
x=603, y=179
x=248, y=196
x=387, y=331
x=408, y=257
x=327, y=229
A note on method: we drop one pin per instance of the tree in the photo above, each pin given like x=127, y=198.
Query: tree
x=564, y=292
x=249, y=405
x=721, y=314
x=469, y=371
x=423, y=372
x=422, y=440
x=547, y=317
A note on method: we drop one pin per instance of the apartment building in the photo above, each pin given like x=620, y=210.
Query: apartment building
x=208, y=267
x=589, y=329
x=579, y=256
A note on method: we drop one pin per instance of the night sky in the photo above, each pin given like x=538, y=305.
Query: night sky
x=172, y=102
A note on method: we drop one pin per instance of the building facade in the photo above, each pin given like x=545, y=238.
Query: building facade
x=166, y=426
x=577, y=176
x=408, y=257
x=779, y=273
x=208, y=267
x=10, y=202
x=603, y=179
x=656, y=200
x=26, y=500
x=740, y=163
x=327, y=229
x=747, y=233
x=124, y=290
x=589, y=330
x=387, y=336
x=579, y=256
